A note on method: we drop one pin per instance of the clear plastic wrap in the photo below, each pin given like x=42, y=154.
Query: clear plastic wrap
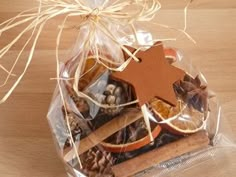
x=112, y=138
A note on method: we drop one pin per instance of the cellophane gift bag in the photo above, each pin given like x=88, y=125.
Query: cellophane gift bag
x=126, y=103
x=130, y=106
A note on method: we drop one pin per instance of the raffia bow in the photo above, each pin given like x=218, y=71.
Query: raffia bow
x=96, y=18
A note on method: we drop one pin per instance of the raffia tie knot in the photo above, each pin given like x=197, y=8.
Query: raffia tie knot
x=94, y=15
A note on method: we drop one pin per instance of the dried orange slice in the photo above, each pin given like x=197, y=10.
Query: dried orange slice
x=142, y=140
x=92, y=70
x=171, y=55
x=181, y=119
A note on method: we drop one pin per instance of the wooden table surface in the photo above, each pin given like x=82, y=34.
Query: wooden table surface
x=26, y=146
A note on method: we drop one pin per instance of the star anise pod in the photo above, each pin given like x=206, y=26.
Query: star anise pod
x=191, y=91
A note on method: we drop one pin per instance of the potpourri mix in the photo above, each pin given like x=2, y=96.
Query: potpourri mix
x=126, y=103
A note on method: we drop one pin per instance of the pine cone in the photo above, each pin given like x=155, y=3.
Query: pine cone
x=80, y=103
x=79, y=128
x=114, y=95
x=97, y=163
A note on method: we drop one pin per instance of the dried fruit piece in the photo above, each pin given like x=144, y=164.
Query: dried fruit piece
x=170, y=55
x=92, y=71
x=180, y=119
x=131, y=138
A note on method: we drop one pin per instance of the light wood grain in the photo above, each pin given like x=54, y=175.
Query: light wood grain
x=17, y=6
x=26, y=146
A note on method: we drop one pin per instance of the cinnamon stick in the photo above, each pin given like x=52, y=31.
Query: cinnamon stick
x=191, y=143
x=126, y=118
